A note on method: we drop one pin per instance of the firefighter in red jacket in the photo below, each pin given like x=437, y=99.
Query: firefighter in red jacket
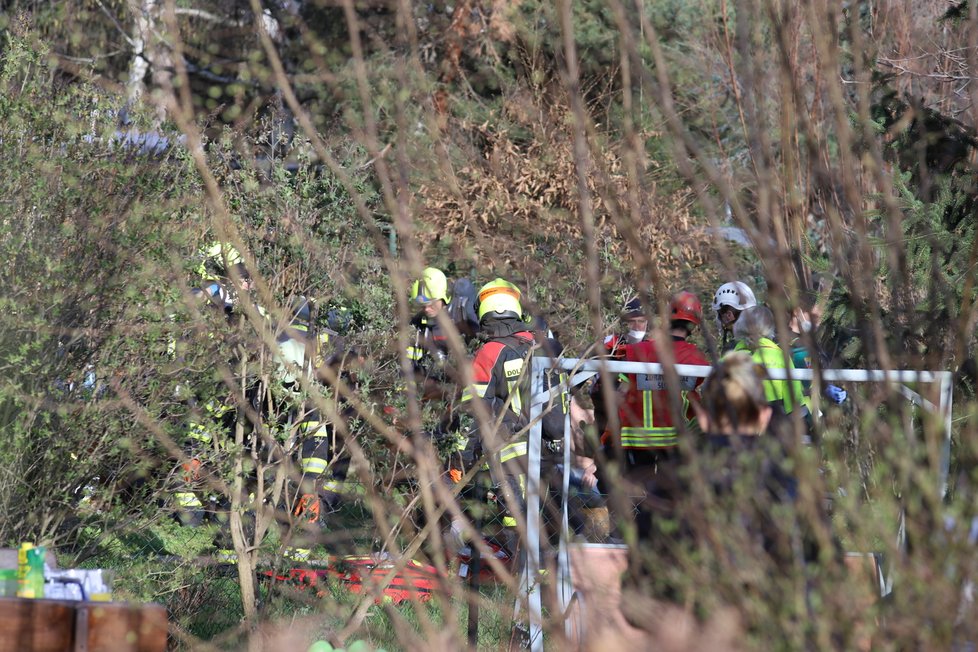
x=647, y=433
x=500, y=377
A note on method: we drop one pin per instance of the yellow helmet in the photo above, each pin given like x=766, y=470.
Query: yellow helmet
x=432, y=286
x=501, y=298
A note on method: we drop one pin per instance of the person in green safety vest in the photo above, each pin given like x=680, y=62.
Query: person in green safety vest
x=754, y=331
x=224, y=277
x=216, y=259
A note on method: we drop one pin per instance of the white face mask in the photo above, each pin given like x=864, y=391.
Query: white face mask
x=638, y=336
x=805, y=325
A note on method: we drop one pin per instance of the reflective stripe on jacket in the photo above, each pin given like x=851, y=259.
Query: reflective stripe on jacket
x=429, y=350
x=500, y=379
x=645, y=417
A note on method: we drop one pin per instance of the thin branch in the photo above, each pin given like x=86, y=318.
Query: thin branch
x=92, y=59
x=115, y=22
x=206, y=15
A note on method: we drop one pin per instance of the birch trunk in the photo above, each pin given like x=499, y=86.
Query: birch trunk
x=142, y=11
x=150, y=55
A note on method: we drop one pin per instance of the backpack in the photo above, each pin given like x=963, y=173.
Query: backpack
x=555, y=411
x=462, y=308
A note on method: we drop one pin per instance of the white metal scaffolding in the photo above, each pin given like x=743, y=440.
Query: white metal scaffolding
x=530, y=598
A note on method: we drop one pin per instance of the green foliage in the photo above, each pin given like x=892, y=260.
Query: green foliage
x=79, y=230
x=936, y=197
x=108, y=357
x=97, y=244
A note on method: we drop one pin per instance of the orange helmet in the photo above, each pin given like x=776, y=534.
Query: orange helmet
x=686, y=307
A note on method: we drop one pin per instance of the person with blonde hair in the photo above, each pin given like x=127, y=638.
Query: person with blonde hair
x=729, y=478
x=742, y=465
x=733, y=400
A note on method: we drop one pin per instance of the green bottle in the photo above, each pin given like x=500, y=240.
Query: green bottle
x=35, y=571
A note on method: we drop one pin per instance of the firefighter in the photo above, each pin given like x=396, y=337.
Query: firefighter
x=324, y=469
x=647, y=433
x=207, y=429
x=729, y=301
x=499, y=381
x=428, y=351
x=226, y=285
x=212, y=415
x=431, y=358
x=223, y=275
x=209, y=421
x=216, y=259
x=326, y=477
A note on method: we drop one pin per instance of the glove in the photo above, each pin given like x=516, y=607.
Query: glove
x=836, y=394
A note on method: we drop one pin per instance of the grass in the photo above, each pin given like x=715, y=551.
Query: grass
x=383, y=627
x=169, y=564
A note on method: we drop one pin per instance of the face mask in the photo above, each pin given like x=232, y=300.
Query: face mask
x=805, y=325
x=638, y=336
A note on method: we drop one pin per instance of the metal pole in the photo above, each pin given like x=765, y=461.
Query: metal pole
x=565, y=584
x=530, y=587
x=947, y=401
x=475, y=564
x=701, y=371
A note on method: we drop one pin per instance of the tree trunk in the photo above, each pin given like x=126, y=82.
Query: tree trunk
x=149, y=55
x=244, y=551
x=142, y=10
x=240, y=501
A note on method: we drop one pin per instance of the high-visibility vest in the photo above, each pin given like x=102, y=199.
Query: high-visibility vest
x=316, y=454
x=500, y=379
x=498, y=376
x=297, y=351
x=645, y=417
x=204, y=432
x=785, y=393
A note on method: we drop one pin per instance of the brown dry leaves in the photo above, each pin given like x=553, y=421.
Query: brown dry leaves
x=517, y=198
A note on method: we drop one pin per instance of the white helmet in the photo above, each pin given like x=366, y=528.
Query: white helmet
x=737, y=295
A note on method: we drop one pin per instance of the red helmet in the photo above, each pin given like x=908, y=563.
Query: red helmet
x=686, y=307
